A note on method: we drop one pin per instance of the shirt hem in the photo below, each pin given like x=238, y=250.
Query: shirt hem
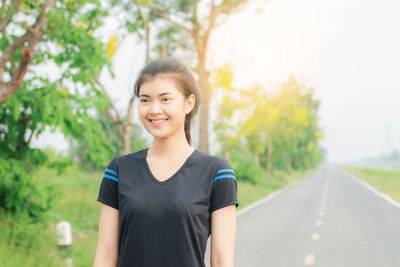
x=224, y=204
x=108, y=203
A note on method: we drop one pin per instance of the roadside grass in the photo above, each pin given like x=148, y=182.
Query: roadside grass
x=24, y=244
x=386, y=181
x=77, y=205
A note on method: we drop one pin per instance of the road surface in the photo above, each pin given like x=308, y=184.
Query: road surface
x=327, y=219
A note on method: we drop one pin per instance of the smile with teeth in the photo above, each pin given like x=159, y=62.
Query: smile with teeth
x=157, y=122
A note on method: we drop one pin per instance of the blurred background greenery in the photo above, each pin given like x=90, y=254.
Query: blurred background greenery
x=271, y=136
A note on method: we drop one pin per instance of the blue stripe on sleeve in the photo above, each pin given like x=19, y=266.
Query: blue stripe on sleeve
x=111, y=171
x=111, y=177
x=224, y=177
x=225, y=170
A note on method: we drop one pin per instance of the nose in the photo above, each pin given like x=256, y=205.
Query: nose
x=155, y=108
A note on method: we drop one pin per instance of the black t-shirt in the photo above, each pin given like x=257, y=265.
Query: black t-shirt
x=166, y=223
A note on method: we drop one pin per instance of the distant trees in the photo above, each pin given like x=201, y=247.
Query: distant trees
x=272, y=130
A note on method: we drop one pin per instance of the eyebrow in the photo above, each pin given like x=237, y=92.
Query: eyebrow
x=158, y=95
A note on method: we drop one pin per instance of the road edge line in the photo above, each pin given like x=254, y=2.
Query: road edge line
x=259, y=202
x=372, y=188
x=272, y=195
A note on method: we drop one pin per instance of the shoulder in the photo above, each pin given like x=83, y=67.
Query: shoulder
x=121, y=161
x=217, y=163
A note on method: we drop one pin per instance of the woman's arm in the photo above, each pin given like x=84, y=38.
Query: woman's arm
x=223, y=234
x=107, y=243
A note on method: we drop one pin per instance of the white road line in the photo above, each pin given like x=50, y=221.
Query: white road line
x=258, y=202
x=315, y=236
x=309, y=260
x=326, y=185
x=270, y=196
x=372, y=189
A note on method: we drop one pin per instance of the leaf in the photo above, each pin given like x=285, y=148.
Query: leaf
x=112, y=46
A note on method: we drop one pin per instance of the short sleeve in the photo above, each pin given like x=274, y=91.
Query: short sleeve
x=108, y=192
x=224, y=187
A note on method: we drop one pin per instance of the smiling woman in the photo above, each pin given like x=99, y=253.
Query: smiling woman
x=161, y=104
x=164, y=86
x=161, y=204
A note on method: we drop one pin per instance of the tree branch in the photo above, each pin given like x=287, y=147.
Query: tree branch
x=33, y=35
x=161, y=14
x=215, y=11
x=7, y=16
x=147, y=30
x=130, y=111
x=117, y=118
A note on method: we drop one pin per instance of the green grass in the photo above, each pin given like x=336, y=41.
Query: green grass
x=78, y=206
x=386, y=181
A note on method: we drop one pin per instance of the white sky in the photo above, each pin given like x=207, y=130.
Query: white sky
x=349, y=51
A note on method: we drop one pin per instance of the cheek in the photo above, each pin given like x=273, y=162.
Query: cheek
x=142, y=112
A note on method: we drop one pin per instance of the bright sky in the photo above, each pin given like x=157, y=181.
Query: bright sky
x=348, y=50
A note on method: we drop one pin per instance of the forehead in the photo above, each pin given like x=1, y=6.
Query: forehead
x=158, y=85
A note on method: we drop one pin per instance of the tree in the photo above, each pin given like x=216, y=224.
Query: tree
x=136, y=21
x=18, y=51
x=66, y=102
x=184, y=15
x=278, y=129
x=222, y=80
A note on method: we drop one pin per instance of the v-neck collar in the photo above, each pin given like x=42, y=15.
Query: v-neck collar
x=171, y=177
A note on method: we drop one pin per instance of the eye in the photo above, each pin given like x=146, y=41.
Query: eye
x=166, y=98
x=143, y=100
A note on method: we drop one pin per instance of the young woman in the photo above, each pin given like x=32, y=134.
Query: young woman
x=161, y=204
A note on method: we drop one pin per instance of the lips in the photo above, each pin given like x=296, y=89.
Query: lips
x=157, y=122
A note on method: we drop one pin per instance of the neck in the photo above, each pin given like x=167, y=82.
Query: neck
x=174, y=145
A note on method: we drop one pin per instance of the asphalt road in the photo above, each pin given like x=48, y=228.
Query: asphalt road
x=327, y=219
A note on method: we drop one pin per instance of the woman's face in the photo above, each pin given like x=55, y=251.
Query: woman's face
x=162, y=107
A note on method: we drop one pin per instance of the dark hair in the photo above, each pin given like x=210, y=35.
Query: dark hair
x=184, y=81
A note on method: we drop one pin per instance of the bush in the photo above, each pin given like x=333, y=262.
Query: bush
x=20, y=193
x=249, y=172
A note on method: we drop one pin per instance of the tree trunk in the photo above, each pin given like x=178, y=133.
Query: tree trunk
x=126, y=140
x=288, y=161
x=225, y=149
x=257, y=159
x=269, y=154
x=163, y=51
x=205, y=99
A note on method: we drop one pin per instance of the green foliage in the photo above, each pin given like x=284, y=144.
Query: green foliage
x=77, y=151
x=67, y=103
x=28, y=113
x=249, y=172
x=24, y=232
x=278, y=130
x=28, y=243
x=19, y=192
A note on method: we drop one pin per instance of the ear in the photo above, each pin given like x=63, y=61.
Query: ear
x=189, y=103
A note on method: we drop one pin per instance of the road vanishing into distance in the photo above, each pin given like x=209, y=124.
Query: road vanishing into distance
x=328, y=219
